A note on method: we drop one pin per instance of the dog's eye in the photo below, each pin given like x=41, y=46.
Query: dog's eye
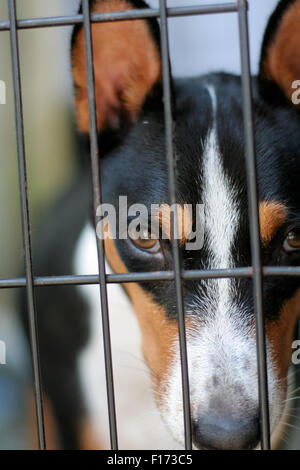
x=143, y=240
x=292, y=241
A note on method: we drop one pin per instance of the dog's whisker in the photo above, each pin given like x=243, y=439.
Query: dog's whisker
x=137, y=358
x=294, y=391
x=285, y=436
x=139, y=369
x=290, y=425
x=292, y=373
x=291, y=399
x=285, y=440
x=292, y=415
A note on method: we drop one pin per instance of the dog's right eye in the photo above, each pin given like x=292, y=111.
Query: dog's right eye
x=292, y=241
x=144, y=241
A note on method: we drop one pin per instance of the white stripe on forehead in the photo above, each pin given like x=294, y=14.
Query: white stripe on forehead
x=221, y=213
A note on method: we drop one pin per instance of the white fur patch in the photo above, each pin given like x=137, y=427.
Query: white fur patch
x=222, y=349
x=221, y=213
x=139, y=422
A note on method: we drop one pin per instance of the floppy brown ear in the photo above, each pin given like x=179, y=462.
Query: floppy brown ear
x=127, y=66
x=280, y=58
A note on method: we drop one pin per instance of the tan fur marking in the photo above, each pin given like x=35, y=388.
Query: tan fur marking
x=272, y=215
x=280, y=333
x=282, y=63
x=159, y=334
x=51, y=431
x=184, y=222
x=126, y=67
x=87, y=439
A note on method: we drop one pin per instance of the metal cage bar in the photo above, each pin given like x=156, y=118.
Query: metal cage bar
x=151, y=276
x=26, y=224
x=175, y=244
x=120, y=16
x=255, y=272
x=97, y=198
x=254, y=226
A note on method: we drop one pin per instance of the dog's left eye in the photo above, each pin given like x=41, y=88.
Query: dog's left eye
x=292, y=241
x=144, y=241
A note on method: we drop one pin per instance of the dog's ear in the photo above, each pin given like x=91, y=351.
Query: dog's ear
x=280, y=57
x=127, y=66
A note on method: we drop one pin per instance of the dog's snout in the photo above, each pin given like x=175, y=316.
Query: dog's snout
x=221, y=432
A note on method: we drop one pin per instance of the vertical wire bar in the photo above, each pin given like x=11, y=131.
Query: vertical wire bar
x=26, y=224
x=175, y=246
x=254, y=225
x=97, y=198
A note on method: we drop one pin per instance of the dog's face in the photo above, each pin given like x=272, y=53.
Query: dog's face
x=209, y=147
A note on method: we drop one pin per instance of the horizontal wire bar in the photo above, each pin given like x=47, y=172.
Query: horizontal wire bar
x=28, y=23
x=191, y=275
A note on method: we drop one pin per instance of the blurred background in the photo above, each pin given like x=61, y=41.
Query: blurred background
x=198, y=45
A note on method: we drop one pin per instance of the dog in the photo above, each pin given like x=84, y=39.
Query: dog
x=209, y=146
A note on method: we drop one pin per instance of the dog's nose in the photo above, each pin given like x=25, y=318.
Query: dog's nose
x=225, y=432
